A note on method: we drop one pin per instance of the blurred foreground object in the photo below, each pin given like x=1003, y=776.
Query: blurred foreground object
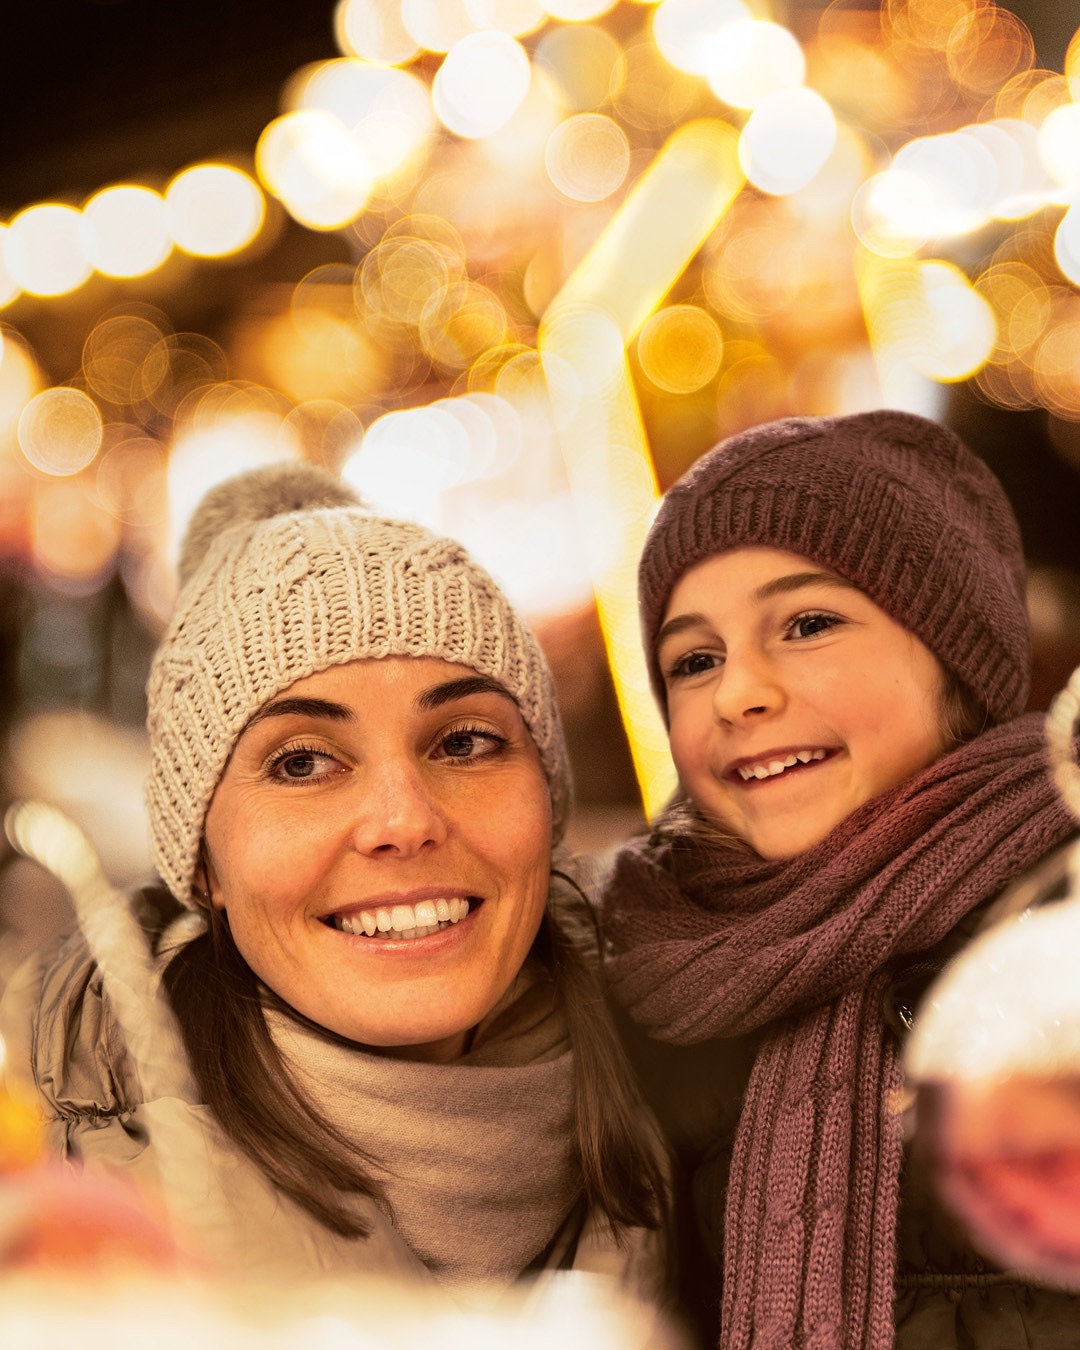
x=994, y=1060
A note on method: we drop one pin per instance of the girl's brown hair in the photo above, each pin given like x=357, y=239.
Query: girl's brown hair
x=219, y=1007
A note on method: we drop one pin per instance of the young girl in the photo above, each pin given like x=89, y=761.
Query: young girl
x=834, y=620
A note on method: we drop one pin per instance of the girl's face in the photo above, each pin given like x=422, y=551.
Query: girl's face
x=792, y=697
x=380, y=842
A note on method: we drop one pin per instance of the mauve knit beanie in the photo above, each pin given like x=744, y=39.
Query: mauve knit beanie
x=284, y=573
x=888, y=500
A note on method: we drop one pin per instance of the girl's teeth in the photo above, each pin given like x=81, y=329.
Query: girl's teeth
x=403, y=921
x=777, y=766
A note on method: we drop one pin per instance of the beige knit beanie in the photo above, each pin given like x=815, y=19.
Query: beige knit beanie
x=282, y=574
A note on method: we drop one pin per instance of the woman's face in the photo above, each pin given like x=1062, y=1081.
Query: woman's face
x=792, y=697
x=363, y=812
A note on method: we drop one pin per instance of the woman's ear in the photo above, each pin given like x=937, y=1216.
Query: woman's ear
x=205, y=889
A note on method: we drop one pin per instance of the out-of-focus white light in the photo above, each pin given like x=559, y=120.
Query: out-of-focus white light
x=373, y=30
x=1023, y=195
x=9, y=287
x=207, y=455
x=437, y=24
x=1067, y=244
x=577, y=11
x=753, y=59
x=962, y=177
x=387, y=111
x=516, y=17
x=587, y=157
x=481, y=83
x=893, y=213
x=407, y=462
x=214, y=210
x=43, y=250
x=311, y=162
x=962, y=330
x=688, y=31
x=124, y=231
x=1059, y=145
x=786, y=140
x=60, y=431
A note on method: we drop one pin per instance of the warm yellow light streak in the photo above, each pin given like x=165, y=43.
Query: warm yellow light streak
x=661, y=225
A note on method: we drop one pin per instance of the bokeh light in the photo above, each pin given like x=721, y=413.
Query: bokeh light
x=214, y=210
x=1067, y=245
x=680, y=348
x=1059, y=145
x=574, y=11
x=587, y=157
x=124, y=230
x=581, y=59
x=43, y=250
x=786, y=140
x=60, y=431
x=436, y=25
x=481, y=83
x=73, y=538
x=373, y=30
x=689, y=32
x=754, y=59
x=9, y=287
x=309, y=160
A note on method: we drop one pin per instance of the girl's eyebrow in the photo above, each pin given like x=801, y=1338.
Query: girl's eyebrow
x=792, y=581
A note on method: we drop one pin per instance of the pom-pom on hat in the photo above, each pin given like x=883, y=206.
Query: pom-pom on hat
x=284, y=573
x=888, y=500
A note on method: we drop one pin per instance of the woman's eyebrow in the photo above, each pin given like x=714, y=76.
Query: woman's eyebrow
x=439, y=694
x=300, y=707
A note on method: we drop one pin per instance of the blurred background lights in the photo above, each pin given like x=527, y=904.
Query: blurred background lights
x=587, y=157
x=680, y=348
x=43, y=250
x=407, y=462
x=574, y=11
x=582, y=60
x=373, y=30
x=481, y=83
x=752, y=59
x=1059, y=145
x=892, y=213
x=1067, y=245
x=60, y=431
x=688, y=32
x=9, y=287
x=960, y=332
x=124, y=231
x=786, y=141
x=73, y=537
x=516, y=17
x=214, y=210
x=309, y=160
x=436, y=25
x=962, y=177
x=386, y=111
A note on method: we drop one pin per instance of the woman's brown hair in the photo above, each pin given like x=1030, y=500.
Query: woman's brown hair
x=219, y=1008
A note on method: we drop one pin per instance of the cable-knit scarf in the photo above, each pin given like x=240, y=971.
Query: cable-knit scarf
x=711, y=941
x=478, y=1158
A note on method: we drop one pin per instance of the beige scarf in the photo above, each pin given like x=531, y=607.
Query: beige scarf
x=478, y=1159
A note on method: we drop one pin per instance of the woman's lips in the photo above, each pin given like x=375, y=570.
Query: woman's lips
x=397, y=922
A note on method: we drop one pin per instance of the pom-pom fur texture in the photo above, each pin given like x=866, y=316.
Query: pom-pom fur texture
x=261, y=494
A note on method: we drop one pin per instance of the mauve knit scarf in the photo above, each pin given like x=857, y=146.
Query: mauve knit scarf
x=710, y=941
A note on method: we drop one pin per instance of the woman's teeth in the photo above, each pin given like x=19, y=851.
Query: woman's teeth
x=771, y=767
x=402, y=921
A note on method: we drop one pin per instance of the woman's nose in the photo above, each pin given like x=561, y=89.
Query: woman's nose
x=398, y=814
x=747, y=689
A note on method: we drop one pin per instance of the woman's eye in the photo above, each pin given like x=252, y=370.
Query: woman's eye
x=470, y=744
x=811, y=625
x=303, y=766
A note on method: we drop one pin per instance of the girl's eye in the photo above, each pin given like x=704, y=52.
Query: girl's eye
x=693, y=663
x=302, y=765
x=469, y=743
x=812, y=625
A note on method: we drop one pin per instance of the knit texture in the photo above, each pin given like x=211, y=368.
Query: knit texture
x=491, y=1135
x=892, y=502
x=278, y=589
x=712, y=941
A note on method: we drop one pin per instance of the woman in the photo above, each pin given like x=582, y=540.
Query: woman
x=834, y=621
x=390, y=1006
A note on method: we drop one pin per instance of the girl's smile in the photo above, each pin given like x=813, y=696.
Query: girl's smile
x=792, y=697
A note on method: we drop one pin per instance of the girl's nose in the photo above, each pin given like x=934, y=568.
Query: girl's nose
x=747, y=689
x=398, y=814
